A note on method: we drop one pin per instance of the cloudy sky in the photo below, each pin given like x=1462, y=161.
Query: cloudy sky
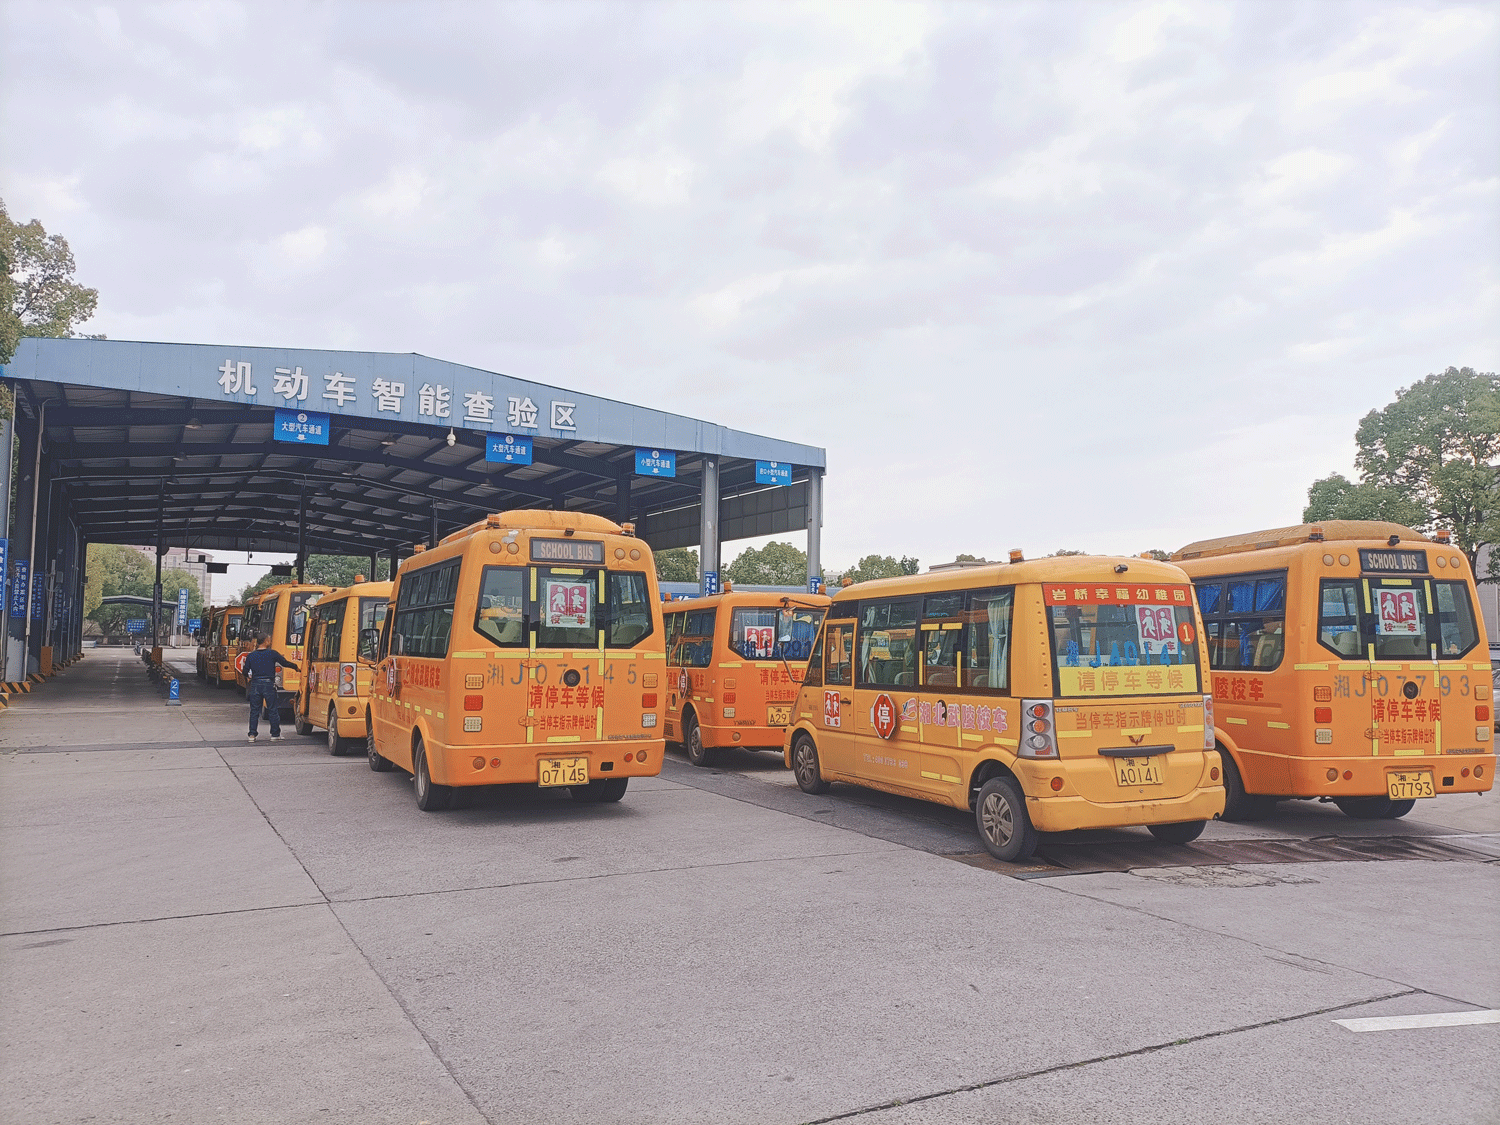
x=1106, y=276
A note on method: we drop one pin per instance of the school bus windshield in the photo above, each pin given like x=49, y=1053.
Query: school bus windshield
x=1108, y=643
x=572, y=615
x=774, y=632
x=296, y=617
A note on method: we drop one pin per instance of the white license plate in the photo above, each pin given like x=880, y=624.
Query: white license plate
x=563, y=771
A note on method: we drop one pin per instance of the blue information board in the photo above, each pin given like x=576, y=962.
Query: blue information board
x=194, y=624
x=20, y=583
x=38, y=595
x=507, y=449
x=710, y=582
x=182, y=604
x=655, y=463
x=135, y=625
x=815, y=585
x=773, y=472
x=305, y=426
x=4, y=558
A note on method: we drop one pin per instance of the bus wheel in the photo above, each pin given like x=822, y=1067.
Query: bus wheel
x=1399, y=809
x=1183, y=833
x=300, y=724
x=1239, y=805
x=1368, y=808
x=338, y=745
x=431, y=797
x=805, y=766
x=377, y=763
x=692, y=742
x=1004, y=826
x=600, y=792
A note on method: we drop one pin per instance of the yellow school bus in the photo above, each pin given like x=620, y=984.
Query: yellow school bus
x=338, y=666
x=1045, y=696
x=734, y=664
x=222, y=644
x=1349, y=664
x=204, y=637
x=524, y=649
x=281, y=613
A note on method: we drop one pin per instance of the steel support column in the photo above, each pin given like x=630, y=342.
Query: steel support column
x=708, y=542
x=302, y=536
x=814, y=526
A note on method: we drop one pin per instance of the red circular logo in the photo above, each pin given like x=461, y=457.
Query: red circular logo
x=884, y=716
x=1185, y=631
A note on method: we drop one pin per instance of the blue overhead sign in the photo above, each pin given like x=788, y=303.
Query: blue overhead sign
x=194, y=624
x=655, y=463
x=306, y=426
x=135, y=625
x=710, y=582
x=507, y=449
x=773, y=472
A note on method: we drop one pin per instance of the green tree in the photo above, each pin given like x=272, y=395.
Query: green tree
x=1336, y=497
x=340, y=570
x=676, y=564
x=1158, y=555
x=775, y=564
x=1064, y=552
x=264, y=582
x=1437, y=447
x=38, y=296
x=111, y=570
x=881, y=566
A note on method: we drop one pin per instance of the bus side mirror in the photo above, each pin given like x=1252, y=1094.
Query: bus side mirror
x=369, y=642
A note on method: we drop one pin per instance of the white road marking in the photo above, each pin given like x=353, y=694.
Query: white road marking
x=1436, y=1019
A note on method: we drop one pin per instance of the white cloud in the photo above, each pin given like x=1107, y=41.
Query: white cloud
x=1106, y=276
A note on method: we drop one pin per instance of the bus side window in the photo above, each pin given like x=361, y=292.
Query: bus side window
x=840, y=648
x=1338, y=617
x=814, y=675
x=987, y=640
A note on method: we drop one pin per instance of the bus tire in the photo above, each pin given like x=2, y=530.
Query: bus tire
x=300, y=724
x=1239, y=805
x=1399, y=809
x=692, y=741
x=805, y=766
x=1365, y=808
x=606, y=791
x=431, y=797
x=378, y=763
x=1005, y=828
x=338, y=745
x=1184, y=832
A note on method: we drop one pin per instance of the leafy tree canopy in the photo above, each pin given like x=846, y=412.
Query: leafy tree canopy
x=775, y=564
x=340, y=570
x=1430, y=459
x=1064, y=552
x=38, y=296
x=113, y=569
x=677, y=564
x=881, y=566
x=1159, y=555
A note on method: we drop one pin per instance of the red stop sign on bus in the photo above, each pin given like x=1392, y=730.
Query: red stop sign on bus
x=239, y=662
x=884, y=716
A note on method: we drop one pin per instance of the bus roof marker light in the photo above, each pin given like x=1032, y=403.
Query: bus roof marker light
x=1443, y=535
x=627, y=528
x=1393, y=540
x=1016, y=555
x=1121, y=568
x=1315, y=535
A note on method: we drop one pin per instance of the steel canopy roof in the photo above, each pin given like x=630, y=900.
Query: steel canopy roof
x=179, y=437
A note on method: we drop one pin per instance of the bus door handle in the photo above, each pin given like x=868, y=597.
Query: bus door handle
x=843, y=700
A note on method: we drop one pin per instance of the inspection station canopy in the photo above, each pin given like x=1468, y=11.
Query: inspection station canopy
x=222, y=446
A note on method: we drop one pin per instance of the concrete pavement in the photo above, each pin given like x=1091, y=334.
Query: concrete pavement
x=211, y=931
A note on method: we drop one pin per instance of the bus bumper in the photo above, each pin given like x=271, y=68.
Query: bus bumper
x=521, y=764
x=1064, y=814
x=743, y=738
x=1451, y=773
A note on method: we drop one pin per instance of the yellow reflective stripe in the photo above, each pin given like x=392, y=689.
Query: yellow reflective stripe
x=950, y=780
x=1278, y=726
x=479, y=655
x=1405, y=752
x=1310, y=667
x=932, y=776
x=1009, y=743
x=653, y=655
x=565, y=738
x=1238, y=722
x=730, y=664
x=1074, y=733
x=1191, y=730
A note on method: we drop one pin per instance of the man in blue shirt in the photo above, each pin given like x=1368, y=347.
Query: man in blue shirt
x=260, y=671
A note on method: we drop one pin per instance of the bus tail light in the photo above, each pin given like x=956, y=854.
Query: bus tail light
x=1481, y=712
x=1322, y=714
x=1039, y=736
x=1208, y=723
x=473, y=703
x=346, y=679
x=473, y=723
x=279, y=676
x=1323, y=694
x=479, y=763
x=648, y=720
x=729, y=697
x=648, y=699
